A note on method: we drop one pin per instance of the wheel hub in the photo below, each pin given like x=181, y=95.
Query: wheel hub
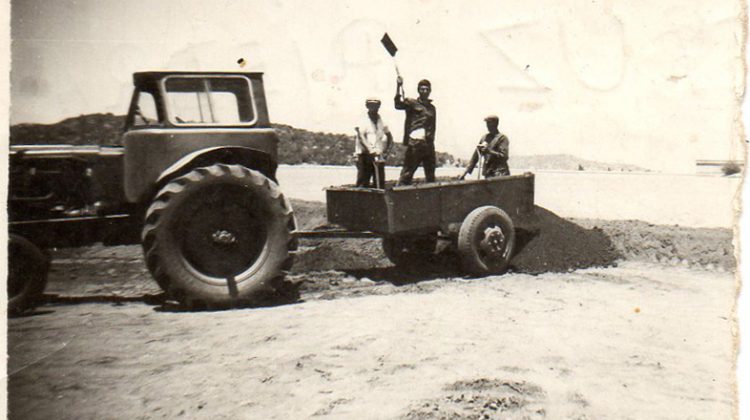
x=223, y=237
x=493, y=242
x=224, y=241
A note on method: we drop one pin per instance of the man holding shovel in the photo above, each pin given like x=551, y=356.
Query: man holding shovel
x=373, y=142
x=419, y=127
x=419, y=131
x=493, y=149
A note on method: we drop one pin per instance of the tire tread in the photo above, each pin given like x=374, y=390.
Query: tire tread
x=161, y=203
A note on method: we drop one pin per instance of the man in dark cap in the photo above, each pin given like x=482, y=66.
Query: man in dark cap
x=419, y=131
x=372, y=144
x=493, y=148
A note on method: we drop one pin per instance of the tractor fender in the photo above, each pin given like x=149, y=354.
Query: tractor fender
x=250, y=158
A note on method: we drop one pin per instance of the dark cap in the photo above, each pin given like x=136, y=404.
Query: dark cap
x=424, y=82
x=491, y=118
x=372, y=101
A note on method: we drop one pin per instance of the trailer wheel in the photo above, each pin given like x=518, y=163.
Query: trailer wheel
x=218, y=236
x=486, y=240
x=27, y=274
x=405, y=250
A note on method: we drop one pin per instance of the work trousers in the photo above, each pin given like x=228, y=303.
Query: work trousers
x=418, y=153
x=366, y=167
x=496, y=171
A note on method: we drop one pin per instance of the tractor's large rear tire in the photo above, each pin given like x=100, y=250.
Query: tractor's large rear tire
x=486, y=240
x=28, y=266
x=218, y=237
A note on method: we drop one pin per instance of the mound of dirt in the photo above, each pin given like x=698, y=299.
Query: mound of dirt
x=557, y=246
x=390, y=184
x=339, y=254
x=561, y=245
x=642, y=241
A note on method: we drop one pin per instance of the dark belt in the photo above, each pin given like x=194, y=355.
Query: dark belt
x=416, y=141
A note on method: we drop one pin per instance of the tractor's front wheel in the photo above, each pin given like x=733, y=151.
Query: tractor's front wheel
x=218, y=236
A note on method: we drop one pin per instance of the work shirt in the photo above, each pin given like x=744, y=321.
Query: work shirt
x=420, y=119
x=372, y=137
x=495, y=155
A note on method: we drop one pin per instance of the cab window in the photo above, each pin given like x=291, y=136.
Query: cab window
x=145, y=114
x=220, y=100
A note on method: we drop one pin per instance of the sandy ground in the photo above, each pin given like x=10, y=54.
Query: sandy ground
x=636, y=341
x=647, y=336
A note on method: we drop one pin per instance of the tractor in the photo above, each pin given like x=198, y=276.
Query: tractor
x=194, y=182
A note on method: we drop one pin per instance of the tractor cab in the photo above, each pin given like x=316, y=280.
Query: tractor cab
x=179, y=120
x=182, y=100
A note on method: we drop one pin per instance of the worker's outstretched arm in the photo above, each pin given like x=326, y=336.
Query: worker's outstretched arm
x=472, y=164
x=398, y=100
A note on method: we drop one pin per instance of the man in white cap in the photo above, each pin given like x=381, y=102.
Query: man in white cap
x=372, y=144
x=493, y=147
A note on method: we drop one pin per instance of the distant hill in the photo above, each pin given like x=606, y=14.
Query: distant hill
x=92, y=129
x=295, y=145
x=568, y=163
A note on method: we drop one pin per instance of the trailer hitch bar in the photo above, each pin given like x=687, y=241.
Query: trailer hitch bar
x=334, y=233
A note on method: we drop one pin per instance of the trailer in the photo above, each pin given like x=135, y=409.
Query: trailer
x=480, y=217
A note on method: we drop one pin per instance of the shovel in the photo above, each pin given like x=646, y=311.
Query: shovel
x=392, y=49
